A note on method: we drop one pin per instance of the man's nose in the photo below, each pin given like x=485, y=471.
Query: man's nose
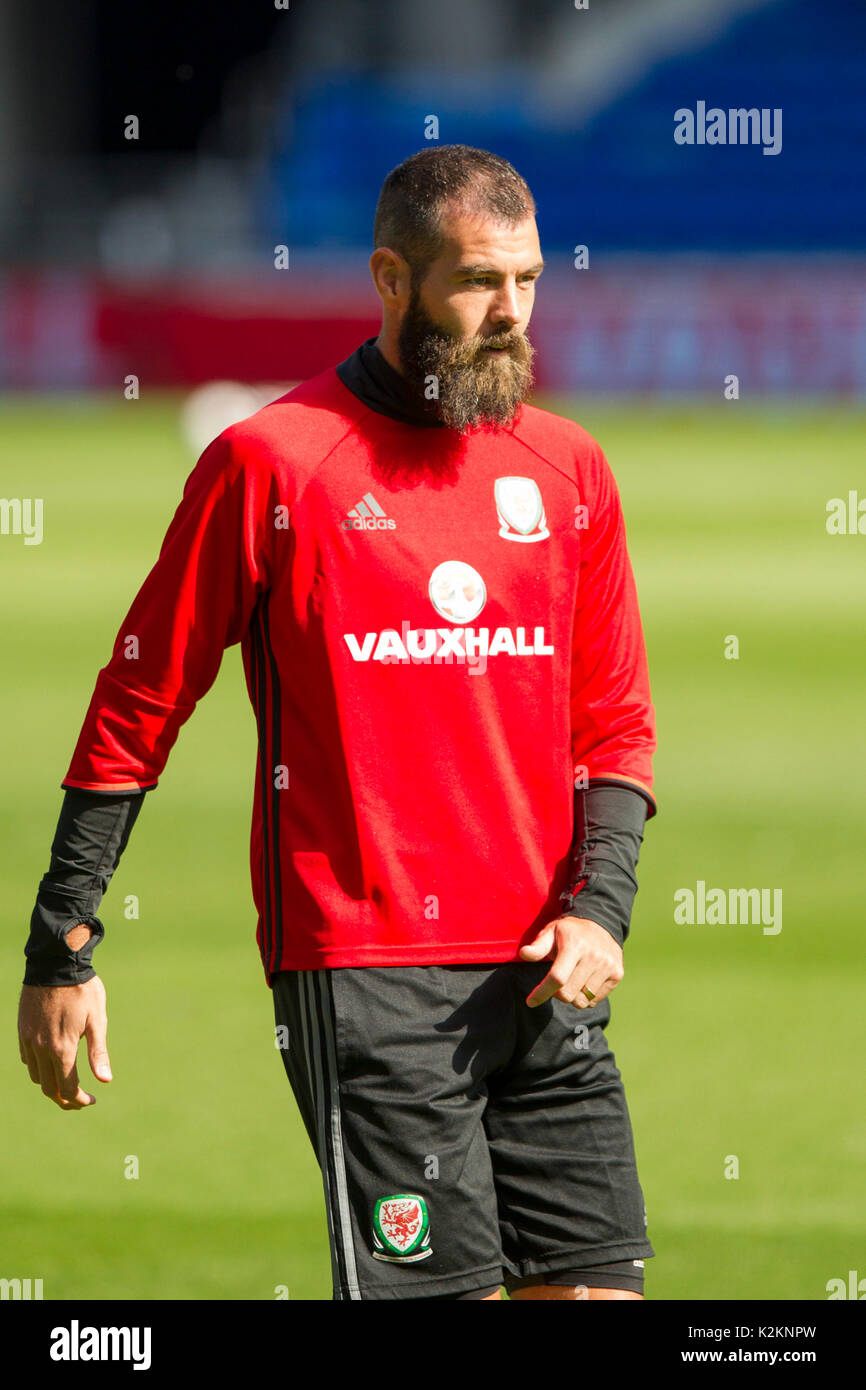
x=505, y=311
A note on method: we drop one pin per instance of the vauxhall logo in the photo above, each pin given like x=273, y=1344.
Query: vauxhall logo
x=458, y=594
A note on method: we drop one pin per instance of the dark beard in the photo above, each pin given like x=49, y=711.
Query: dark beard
x=474, y=388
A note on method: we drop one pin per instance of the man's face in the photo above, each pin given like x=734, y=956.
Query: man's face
x=465, y=325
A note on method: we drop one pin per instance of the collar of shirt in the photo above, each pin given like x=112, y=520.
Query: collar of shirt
x=374, y=381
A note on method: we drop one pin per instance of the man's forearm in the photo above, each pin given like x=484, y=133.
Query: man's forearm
x=92, y=832
x=608, y=830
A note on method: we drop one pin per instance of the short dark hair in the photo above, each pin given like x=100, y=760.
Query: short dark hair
x=415, y=195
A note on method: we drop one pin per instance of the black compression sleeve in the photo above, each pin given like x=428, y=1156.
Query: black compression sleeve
x=608, y=830
x=91, y=835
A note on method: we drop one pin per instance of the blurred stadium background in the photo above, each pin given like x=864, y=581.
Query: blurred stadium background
x=154, y=257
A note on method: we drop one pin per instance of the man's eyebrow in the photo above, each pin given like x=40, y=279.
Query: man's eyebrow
x=491, y=270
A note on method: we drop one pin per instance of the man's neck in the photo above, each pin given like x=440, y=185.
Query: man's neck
x=389, y=351
x=384, y=387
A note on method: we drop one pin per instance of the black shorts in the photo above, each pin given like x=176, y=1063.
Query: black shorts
x=465, y=1140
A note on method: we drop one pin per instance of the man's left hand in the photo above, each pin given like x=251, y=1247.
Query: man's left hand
x=584, y=954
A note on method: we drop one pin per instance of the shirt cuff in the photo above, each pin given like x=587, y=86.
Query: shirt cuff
x=50, y=961
x=609, y=822
x=92, y=832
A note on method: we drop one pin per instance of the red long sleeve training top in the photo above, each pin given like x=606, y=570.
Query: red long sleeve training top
x=436, y=630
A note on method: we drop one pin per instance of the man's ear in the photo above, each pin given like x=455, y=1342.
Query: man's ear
x=391, y=276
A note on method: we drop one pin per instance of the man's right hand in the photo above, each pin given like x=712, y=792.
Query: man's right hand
x=51, y=1022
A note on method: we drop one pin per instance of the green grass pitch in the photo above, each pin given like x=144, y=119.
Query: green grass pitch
x=731, y=1042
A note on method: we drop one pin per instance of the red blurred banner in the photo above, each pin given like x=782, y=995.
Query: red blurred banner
x=637, y=326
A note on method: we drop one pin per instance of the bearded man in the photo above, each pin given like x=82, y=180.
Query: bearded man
x=442, y=645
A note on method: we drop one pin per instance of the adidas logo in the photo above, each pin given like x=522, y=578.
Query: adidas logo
x=367, y=515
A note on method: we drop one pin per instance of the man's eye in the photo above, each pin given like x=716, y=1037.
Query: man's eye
x=486, y=280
